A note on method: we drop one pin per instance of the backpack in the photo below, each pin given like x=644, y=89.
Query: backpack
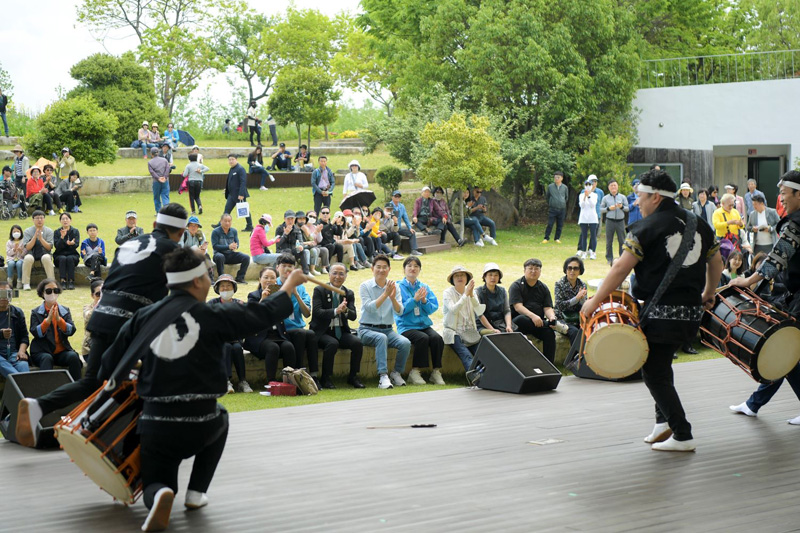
x=301, y=379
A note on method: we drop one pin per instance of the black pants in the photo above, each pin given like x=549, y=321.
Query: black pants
x=257, y=131
x=280, y=163
x=81, y=389
x=232, y=258
x=657, y=373
x=299, y=257
x=70, y=199
x=163, y=452
x=95, y=263
x=425, y=341
x=391, y=236
x=555, y=216
x=329, y=344
x=335, y=249
x=67, y=358
x=195, y=188
x=452, y=229
x=234, y=356
x=320, y=201
x=270, y=350
x=305, y=344
x=230, y=203
x=369, y=246
x=66, y=266
x=544, y=334
x=55, y=199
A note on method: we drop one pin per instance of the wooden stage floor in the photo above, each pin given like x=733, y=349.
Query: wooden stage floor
x=317, y=467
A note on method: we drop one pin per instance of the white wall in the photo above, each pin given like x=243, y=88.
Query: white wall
x=700, y=117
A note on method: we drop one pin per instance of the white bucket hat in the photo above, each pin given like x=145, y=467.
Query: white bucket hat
x=354, y=162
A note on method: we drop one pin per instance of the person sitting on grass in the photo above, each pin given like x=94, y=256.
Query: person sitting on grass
x=93, y=251
x=461, y=311
x=51, y=327
x=418, y=302
x=226, y=287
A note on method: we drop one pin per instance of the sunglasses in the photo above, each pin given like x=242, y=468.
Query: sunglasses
x=573, y=268
x=52, y=291
x=324, y=212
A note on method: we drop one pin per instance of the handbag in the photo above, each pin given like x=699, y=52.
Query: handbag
x=300, y=379
x=242, y=210
x=184, y=185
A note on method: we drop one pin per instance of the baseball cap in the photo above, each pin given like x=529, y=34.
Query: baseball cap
x=289, y=214
x=397, y=193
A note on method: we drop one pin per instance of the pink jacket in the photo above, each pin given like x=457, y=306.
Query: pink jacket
x=259, y=242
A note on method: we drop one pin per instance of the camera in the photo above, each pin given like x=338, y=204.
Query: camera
x=559, y=326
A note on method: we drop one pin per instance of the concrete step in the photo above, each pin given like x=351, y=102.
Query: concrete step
x=221, y=152
x=431, y=249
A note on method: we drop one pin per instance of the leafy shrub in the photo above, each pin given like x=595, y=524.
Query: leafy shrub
x=389, y=177
x=347, y=134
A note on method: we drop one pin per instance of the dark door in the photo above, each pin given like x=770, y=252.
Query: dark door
x=767, y=173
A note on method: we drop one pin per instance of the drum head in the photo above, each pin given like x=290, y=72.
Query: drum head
x=779, y=354
x=616, y=351
x=99, y=469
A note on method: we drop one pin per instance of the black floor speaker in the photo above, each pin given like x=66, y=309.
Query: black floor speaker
x=508, y=362
x=32, y=385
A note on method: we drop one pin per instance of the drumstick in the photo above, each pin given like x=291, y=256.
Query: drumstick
x=325, y=285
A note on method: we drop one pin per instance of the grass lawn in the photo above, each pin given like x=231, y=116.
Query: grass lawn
x=516, y=245
x=138, y=166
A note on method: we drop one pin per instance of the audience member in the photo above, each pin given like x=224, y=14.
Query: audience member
x=290, y=240
x=323, y=182
x=378, y=302
x=50, y=184
x=252, y=123
x=557, y=196
x=713, y=194
x=35, y=193
x=704, y=208
x=256, y=163
x=15, y=252
x=303, y=158
x=171, y=137
x=196, y=150
x=355, y=180
x=599, y=192
x=225, y=243
x=273, y=129
x=38, y=242
x=440, y=203
x=66, y=163
x=67, y=192
x=159, y=171
x=312, y=237
x=531, y=304
x=470, y=222
x=386, y=230
x=633, y=204
x=614, y=206
x=51, y=327
x=762, y=222
x=352, y=235
x=272, y=343
x=14, y=351
x=195, y=174
x=496, y=317
x=281, y=159
x=330, y=318
x=733, y=189
x=417, y=303
x=166, y=153
x=93, y=251
x=684, y=198
x=233, y=353
x=143, y=139
x=96, y=290
x=20, y=167
x=748, y=196
x=571, y=294
x=259, y=244
x=66, y=242
x=155, y=135
x=477, y=210
x=236, y=189
x=588, y=221
x=328, y=232
x=130, y=230
x=399, y=211
x=727, y=219
x=3, y=107
x=304, y=340
x=461, y=311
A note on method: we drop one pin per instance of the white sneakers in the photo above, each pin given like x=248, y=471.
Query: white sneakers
x=231, y=390
x=397, y=379
x=26, y=287
x=661, y=432
x=262, y=188
x=243, y=387
x=415, y=378
x=28, y=415
x=580, y=254
x=436, y=377
x=158, y=518
x=490, y=240
x=479, y=242
x=743, y=409
x=672, y=445
x=592, y=255
x=794, y=421
x=195, y=500
x=384, y=382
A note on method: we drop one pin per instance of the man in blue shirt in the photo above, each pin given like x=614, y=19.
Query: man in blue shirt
x=378, y=303
x=323, y=182
x=633, y=206
x=303, y=340
x=402, y=218
x=748, y=197
x=14, y=335
x=225, y=242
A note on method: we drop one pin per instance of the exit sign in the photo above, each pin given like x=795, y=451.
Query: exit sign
x=752, y=151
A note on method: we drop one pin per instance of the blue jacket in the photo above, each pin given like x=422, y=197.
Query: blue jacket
x=402, y=215
x=409, y=318
x=237, y=182
x=633, y=214
x=220, y=241
x=600, y=195
x=317, y=175
x=295, y=320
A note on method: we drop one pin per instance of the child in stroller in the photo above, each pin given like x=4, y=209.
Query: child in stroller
x=10, y=202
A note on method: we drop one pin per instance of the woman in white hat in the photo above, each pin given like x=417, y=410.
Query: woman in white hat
x=461, y=309
x=684, y=198
x=496, y=318
x=355, y=179
x=226, y=287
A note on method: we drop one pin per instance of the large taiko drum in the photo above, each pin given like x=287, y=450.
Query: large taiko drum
x=760, y=339
x=103, y=442
x=614, y=345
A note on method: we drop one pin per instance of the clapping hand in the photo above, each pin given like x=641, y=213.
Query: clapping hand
x=420, y=295
x=390, y=289
x=342, y=308
x=470, y=287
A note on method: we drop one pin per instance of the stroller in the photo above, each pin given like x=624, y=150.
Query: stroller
x=10, y=202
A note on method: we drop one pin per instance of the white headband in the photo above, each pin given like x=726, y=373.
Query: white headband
x=791, y=184
x=176, y=278
x=650, y=190
x=167, y=220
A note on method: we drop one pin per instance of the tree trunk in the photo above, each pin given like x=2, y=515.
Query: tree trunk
x=299, y=134
x=308, y=137
x=326, y=132
x=517, y=195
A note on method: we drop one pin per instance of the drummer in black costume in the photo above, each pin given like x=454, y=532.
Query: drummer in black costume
x=180, y=341
x=649, y=248
x=136, y=279
x=785, y=261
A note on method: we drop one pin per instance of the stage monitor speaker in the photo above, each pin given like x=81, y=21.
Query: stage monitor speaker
x=32, y=385
x=509, y=362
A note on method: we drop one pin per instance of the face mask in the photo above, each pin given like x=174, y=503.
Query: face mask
x=349, y=219
x=226, y=295
x=50, y=298
x=16, y=235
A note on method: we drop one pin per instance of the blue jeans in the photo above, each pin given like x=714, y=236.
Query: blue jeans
x=764, y=393
x=483, y=220
x=143, y=145
x=475, y=226
x=14, y=265
x=465, y=353
x=382, y=339
x=265, y=259
x=5, y=122
x=588, y=233
x=12, y=366
x=160, y=194
x=260, y=170
x=359, y=251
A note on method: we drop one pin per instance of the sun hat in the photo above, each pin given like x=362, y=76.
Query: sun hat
x=354, y=162
x=686, y=187
x=225, y=277
x=488, y=267
x=456, y=270
x=18, y=148
x=194, y=220
x=347, y=213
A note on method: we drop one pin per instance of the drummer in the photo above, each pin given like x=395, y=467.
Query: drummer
x=783, y=259
x=180, y=341
x=649, y=248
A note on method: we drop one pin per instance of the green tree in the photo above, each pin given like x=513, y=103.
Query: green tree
x=774, y=25
x=5, y=82
x=78, y=123
x=303, y=95
x=122, y=87
x=360, y=68
x=606, y=158
x=389, y=178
